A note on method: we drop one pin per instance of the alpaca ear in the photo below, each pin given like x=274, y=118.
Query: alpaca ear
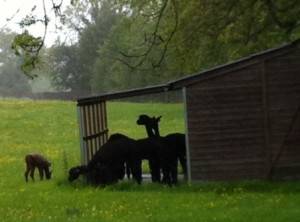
x=158, y=118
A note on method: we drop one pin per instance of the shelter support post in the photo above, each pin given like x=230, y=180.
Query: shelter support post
x=188, y=157
x=82, y=144
x=266, y=122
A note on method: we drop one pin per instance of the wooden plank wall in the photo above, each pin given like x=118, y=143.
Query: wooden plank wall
x=283, y=77
x=226, y=126
x=93, y=124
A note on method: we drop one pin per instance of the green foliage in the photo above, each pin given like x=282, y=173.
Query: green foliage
x=132, y=43
x=28, y=21
x=66, y=73
x=26, y=43
x=187, y=37
x=74, y=65
x=51, y=128
x=94, y=36
x=13, y=82
x=28, y=47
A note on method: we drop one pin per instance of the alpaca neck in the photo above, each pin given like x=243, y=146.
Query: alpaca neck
x=83, y=169
x=152, y=132
x=156, y=130
x=149, y=131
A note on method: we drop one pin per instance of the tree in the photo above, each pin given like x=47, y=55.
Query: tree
x=74, y=64
x=209, y=32
x=65, y=74
x=113, y=71
x=13, y=82
x=127, y=43
x=155, y=41
x=28, y=46
x=94, y=35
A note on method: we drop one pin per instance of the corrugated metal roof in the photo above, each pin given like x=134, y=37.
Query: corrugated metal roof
x=195, y=78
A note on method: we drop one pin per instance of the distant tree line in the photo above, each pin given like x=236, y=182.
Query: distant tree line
x=133, y=43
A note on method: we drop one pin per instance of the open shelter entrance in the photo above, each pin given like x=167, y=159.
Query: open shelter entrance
x=94, y=119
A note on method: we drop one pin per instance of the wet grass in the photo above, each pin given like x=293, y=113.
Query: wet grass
x=50, y=127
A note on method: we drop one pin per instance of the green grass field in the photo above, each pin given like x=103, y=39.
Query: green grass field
x=50, y=127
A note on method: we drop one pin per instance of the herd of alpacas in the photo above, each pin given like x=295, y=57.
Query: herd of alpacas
x=122, y=155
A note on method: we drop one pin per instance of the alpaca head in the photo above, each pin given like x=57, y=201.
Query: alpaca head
x=151, y=124
x=75, y=172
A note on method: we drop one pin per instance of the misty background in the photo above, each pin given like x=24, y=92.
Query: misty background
x=104, y=46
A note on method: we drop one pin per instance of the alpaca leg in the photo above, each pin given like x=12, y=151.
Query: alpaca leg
x=26, y=173
x=174, y=172
x=166, y=175
x=165, y=171
x=41, y=172
x=137, y=171
x=154, y=170
x=127, y=171
x=165, y=166
x=122, y=173
x=182, y=161
x=32, y=173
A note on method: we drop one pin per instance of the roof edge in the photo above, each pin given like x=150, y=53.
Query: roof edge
x=123, y=94
x=230, y=66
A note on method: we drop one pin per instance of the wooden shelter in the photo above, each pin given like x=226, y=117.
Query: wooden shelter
x=242, y=119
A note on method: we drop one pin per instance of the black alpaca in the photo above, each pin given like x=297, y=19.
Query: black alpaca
x=175, y=140
x=168, y=158
x=37, y=161
x=174, y=150
x=99, y=174
x=107, y=165
x=144, y=149
x=127, y=167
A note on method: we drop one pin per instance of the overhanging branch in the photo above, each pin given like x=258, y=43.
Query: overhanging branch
x=155, y=39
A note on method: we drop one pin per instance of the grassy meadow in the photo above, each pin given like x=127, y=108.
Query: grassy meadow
x=50, y=128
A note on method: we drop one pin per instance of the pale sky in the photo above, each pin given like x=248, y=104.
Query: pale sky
x=9, y=9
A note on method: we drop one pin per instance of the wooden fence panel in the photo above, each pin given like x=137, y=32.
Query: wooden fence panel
x=93, y=128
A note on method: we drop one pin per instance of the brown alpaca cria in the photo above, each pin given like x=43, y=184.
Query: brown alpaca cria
x=37, y=161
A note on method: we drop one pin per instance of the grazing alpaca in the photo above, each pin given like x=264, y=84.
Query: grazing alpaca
x=174, y=147
x=75, y=172
x=126, y=165
x=37, y=160
x=107, y=165
x=99, y=174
